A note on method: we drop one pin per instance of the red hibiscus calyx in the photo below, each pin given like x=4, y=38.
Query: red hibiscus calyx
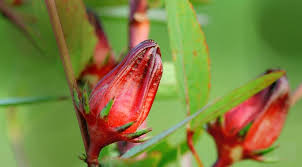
x=121, y=101
x=249, y=130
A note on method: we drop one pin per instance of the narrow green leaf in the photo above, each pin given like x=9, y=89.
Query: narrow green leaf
x=85, y=100
x=190, y=54
x=244, y=131
x=30, y=100
x=138, y=133
x=211, y=111
x=76, y=98
x=266, y=151
x=124, y=127
x=79, y=33
x=105, y=111
x=141, y=140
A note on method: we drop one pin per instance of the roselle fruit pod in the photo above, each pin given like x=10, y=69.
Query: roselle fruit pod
x=250, y=129
x=121, y=101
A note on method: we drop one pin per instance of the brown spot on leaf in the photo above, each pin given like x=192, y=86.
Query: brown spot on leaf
x=206, y=45
x=195, y=53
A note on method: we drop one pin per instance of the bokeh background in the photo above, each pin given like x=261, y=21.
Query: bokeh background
x=245, y=38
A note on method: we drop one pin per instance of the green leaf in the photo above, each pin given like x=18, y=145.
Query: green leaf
x=266, y=151
x=85, y=98
x=76, y=97
x=190, y=54
x=124, y=127
x=138, y=133
x=105, y=111
x=211, y=111
x=29, y=100
x=244, y=131
x=79, y=33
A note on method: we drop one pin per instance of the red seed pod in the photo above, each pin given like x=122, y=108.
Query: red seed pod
x=121, y=101
x=249, y=130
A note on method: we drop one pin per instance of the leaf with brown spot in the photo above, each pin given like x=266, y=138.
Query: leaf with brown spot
x=191, y=54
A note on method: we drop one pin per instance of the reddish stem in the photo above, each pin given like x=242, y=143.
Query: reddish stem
x=93, y=155
x=138, y=22
x=103, y=48
x=190, y=134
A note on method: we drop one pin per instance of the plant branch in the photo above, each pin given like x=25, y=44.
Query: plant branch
x=57, y=28
x=297, y=95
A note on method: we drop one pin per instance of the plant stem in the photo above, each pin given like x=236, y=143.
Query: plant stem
x=190, y=134
x=138, y=22
x=103, y=42
x=57, y=28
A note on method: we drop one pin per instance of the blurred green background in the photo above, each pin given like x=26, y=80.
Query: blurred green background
x=245, y=38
